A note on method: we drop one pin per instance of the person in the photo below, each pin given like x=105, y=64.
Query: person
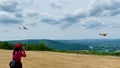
x=18, y=52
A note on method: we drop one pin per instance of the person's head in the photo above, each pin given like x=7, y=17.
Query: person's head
x=18, y=47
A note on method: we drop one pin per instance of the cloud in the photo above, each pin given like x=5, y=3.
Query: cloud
x=103, y=8
x=99, y=9
x=63, y=2
x=5, y=31
x=31, y=13
x=93, y=24
x=66, y=20
x=9, y=6
x=19, y=15
x=13, y=12
x=115, y=12
x=55, y=5
x=7, y=19
x=69, y=19
x=10, y=12
x=50, y=20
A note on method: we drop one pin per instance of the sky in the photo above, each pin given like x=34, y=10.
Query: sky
x=59, y=19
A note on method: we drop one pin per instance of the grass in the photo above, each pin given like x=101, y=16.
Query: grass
x=45, y=59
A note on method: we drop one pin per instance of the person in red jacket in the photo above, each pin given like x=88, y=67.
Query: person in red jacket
x=18, y=52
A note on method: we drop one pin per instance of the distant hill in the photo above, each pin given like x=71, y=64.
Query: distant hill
x=85, y=44
x=59, y=45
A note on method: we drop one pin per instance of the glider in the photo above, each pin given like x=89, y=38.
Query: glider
x=25, y=28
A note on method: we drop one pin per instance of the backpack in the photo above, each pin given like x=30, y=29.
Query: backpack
x=12, y=63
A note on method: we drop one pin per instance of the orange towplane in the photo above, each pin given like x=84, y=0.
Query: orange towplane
x=101, y=34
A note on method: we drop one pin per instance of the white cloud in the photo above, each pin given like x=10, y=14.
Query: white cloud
x=55, y=5
x=8, y=18
x=8, y=10
x=93, y=23
x=12, y=12
x=65, y=19
x=99, y=9
x=9, y=6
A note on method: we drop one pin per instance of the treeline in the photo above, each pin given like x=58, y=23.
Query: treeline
x=37, y=47
x=91, y=52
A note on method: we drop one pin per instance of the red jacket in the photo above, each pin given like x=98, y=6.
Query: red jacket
x=18, y=54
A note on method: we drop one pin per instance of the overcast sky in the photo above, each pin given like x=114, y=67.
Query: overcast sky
x=59, y=19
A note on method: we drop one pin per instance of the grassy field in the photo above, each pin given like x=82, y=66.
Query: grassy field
x=44, y=59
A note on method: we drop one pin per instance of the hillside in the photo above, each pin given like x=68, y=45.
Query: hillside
x=109, y=45
x=59, y=45
x=44, y=59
